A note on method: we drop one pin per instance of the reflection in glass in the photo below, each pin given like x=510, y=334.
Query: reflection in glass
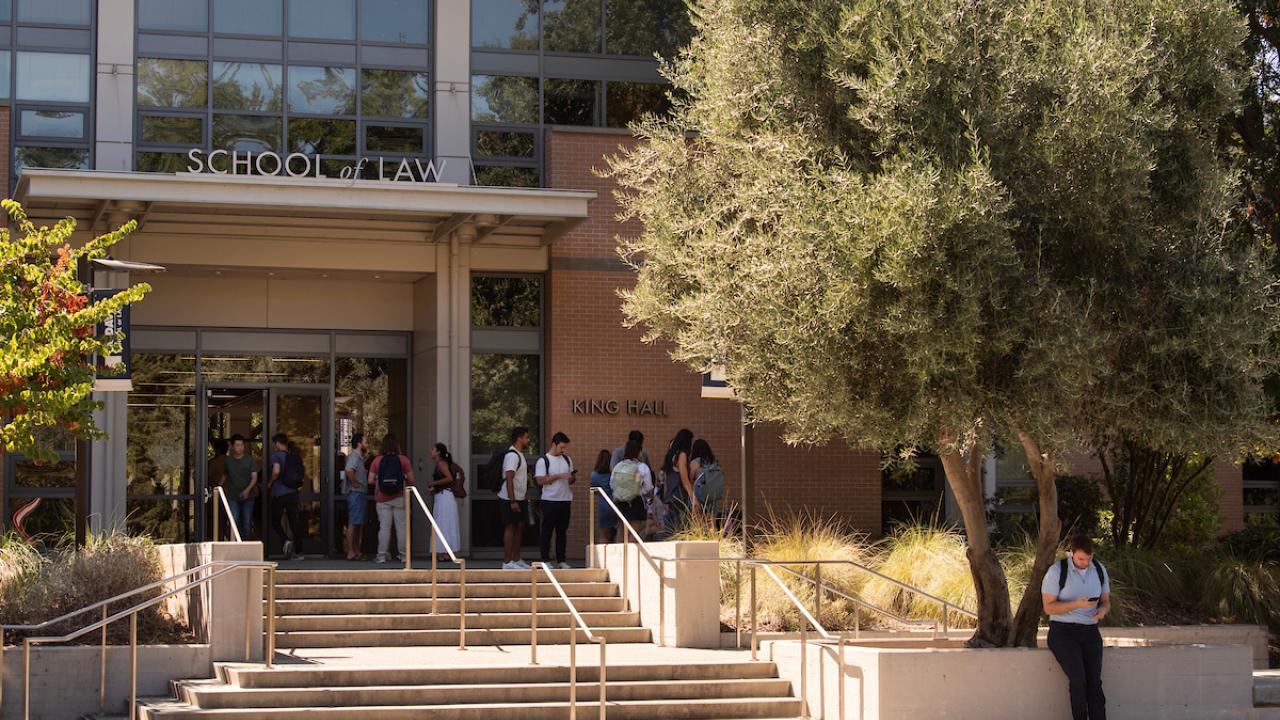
x=6, y=61
x=496, y=143
x=248, y=17
x=323, y=136
x=183, y=130
x=173, y=83
x=165, y=520
x=324, y=19
x=51, y=157
x=247, y=86
x=27, y=474
x=61, y=77
x=264, y=368
x=509, y=24
x=322, y=90
x=504, y=98
x=394, y=93
x=6, y=10
x=381, y=138
x=505, y=392
x=570, y=102
x=506, y=301
x=52, y=519
x=246, y=133
x=571, y=26
x=626, y=102
x=52, y=123
x=645, y=27
x=507, y=176
x=54, y=12
x=394, y=21
x=160, y=162
x=371, y=397
x=161, y=421
x=180, y=15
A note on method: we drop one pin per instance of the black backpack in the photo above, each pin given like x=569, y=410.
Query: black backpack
x=1062, y=574
x=491, y=475
x=293, y=473
x=390, y=475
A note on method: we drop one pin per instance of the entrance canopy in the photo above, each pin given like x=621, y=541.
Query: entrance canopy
x=244, y=206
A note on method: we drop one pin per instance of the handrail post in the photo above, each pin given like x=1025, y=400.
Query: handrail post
x=626, y=545
x=573, y=670
x=737, y=602
x=840, y=687
x=603, y=646
x=133, y=666
x=944, y=618
x=102, y=667
x=591, y=529
x=817, y=592
x=755, y=627
x=408, y=529
x=248, y=614
x=639, y=586
x=804, y=671
x=434, y=568
x=271, y=618
x=533, y=615
x=26, y=679
x=462, y=603
x=662, y=602
x=217, y=511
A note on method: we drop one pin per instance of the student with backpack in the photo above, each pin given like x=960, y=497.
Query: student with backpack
x=288, y=474
x=448, y=484
x=677, y=484
x=555, y=474
x=708, y=478
x=629, y=485
x=507, y=474
x=1077, y=594
x=389, y=474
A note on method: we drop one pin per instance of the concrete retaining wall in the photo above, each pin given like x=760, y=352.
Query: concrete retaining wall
x=692, y=589
x=216, y=610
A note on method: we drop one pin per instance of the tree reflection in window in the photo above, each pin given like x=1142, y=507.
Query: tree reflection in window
x=504, y=99
x=505, y=392
x=645, y=27
x=161, y=423
x=571, y=26
x=506, y=302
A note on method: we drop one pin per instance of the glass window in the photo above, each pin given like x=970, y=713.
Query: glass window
x=54, y=12
x=52, y=123
x=264, y=368
x=506, y=301
x=511, y=24
x=571, y=26
x=161, y=423
x=626, y=102
x=394, y=93
x=504, y=98
x=248, y=17
x=246, y=133
x=505, y=392
x=323, y=136
x=6, y=60
x=370, y=397
x=570, y=102
x=185, y=130
x=322, y=90
x=394, y=21
x=324, y=19
x=160, y=162
x=390, y=139
x=507, y=176
x=50, y=520
x=181, y=15
x=645, y=27
x=247, y=86
x=496, y=143
x=51, y=157
x=173, y=83
x=27, y=474
x=6, y=10
x=60, y=77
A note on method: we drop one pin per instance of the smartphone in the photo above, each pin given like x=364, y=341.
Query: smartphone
x=1095, y=599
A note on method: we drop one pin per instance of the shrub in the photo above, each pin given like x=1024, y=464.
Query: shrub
x=1242, y=590
x=1259, y=540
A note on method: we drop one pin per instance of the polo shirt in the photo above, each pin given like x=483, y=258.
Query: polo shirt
x=1080, y=583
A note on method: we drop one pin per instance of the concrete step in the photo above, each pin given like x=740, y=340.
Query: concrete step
x=403, y=638
x=404, y=606
x=1266, y=688
x=228, y=696
x=423, y=590
x=420, y=621
x=298, y=676
x=487, y=575
x=696, y=709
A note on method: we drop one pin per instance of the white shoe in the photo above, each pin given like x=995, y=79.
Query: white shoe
x=381, y=560
x=288, y=549
x=565, y=566
x=522, y=565
x=510, y=566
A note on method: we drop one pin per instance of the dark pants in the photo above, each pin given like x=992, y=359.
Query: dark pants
x=555, y=519
x=287, y=505
x=1078, y=649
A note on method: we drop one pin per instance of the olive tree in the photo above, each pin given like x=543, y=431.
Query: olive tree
x=941, y=225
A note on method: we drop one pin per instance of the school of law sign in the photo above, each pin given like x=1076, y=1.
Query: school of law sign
x=657, y=408
x=301, y=165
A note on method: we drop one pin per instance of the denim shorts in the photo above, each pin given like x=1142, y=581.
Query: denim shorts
x=356, y=504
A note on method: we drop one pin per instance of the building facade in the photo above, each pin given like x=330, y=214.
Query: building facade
x=378, y=216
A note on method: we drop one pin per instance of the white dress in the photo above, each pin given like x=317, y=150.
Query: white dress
x=445, y=510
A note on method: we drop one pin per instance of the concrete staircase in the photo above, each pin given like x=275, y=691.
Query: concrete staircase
x=381, y=608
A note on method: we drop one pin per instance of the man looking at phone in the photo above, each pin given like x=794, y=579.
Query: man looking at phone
x=554, y=473
x=1077, y=594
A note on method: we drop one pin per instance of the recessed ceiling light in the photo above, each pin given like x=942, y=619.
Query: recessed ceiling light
x=324, y=275
x=271, y=274
x=377, y=277
x=217, y=272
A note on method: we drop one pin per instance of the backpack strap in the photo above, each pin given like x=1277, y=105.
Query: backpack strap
x=1102, y=574
x=1062, y=575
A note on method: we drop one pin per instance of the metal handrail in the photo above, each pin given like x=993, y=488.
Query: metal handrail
x=576, y=618
x=804, y=638
x=227, y=566
x=462, y=562
x=658, y=563
x=221, y=494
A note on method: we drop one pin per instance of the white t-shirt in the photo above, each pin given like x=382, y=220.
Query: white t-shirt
x=514, y=461
x=558, y=490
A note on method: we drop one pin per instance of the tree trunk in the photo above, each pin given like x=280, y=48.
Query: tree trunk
x=1026, y=622
x=964, y=473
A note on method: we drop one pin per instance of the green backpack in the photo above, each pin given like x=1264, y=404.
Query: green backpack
x=709, y=487
x=626, y=481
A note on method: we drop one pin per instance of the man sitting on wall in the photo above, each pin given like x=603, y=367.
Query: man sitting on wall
x=1077, y=594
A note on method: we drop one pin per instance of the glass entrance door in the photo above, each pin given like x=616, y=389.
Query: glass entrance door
x=300, y=415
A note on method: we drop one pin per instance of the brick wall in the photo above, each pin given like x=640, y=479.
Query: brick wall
x=591, y=356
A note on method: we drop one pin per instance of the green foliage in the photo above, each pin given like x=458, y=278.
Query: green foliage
x=46, y=332
x=1257, y=541
x=1157, y=498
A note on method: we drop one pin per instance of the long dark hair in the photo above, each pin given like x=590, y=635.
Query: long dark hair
x=681, y=443
x=702, y=451
x=443, y=452
x=602, y=462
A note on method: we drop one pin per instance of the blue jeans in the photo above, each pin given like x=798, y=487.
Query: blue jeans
x=242, y=514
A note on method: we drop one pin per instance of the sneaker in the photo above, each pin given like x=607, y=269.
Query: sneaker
x=381, y=559
x=510, y=566
x=565, y=566
x=522, y=565
x=288, y=549
x=299, y=556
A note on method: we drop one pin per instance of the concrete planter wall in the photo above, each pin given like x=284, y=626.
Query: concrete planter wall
x=692, y=596
x=216, y=611
x=941, y=680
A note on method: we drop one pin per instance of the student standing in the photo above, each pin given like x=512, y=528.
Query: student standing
x=630, y=485
x=287, y=476
x=708, y=478
x=1077, y=594
x=554, y=473
x=240, y=485
x=619, y=452
x=389, y=474
x=606, y=520
x=677, y=484
x=444, y=506
x=512, y=504
x=356, y=480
